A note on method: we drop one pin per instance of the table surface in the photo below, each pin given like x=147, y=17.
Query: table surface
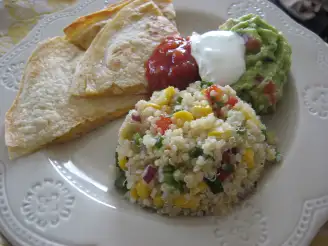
x=318, y=25
x=17, y=18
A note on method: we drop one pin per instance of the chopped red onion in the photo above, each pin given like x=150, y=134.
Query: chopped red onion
x=226, y=157
x=136, y=117
x=149, y=174
x=234, y=151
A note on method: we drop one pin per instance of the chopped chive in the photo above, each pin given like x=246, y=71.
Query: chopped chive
x=278, y=156
x=159, y=142
x=206, y=84
x=241, y=130
x=169, y=178
x=219, y=104
x=137, y=139
x=196, y=152
x=215, y=186
x=229, y=168
x=116, y=159
x=209, y=157
x=168, y=169
x=120, y=181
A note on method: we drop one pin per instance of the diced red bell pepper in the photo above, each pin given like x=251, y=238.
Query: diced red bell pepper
x=269, y=88
x=272, y=99
x=163, y=124
x=222, y=175
x=232, y=101
x=213, y=88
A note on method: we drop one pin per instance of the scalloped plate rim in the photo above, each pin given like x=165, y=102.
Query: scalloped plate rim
x=41, y=25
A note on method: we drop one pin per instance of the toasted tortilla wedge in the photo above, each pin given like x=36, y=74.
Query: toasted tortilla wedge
x=44, y=111
x=114, y=63
x=83, y=30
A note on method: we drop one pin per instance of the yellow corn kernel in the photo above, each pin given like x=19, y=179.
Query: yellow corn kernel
x=143, y=190
x=217, y=134
x=127, y=131
x=183, y=202
x=165, y=96
x=201, y=187
x=169, y=92
x=247, y=114
x=182, y=117
x=122, y=163
x=201, y=111
x=153, y=105
x=220, y=134
x=134, y=193
x=248, y=157
x=158, y=201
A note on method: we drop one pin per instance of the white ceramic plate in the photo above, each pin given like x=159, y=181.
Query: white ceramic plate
x=63, y=195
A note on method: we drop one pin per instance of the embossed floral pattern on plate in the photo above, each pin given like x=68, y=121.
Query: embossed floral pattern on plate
x=47, y=203
x=12, y=76
x=244, y=228
x=316, y=100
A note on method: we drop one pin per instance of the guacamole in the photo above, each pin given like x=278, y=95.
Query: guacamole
x=268, y=61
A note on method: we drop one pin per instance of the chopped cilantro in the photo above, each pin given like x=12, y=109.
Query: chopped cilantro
x=219, y=104
x=209, y=157
x=278, y=156
x=120, y=181
x=228, y=168
x=137, y=139
x=196, y=152
x=205, y=84
x=159, y=142
x=241, y=130
x=168, y=169
x=215, y=186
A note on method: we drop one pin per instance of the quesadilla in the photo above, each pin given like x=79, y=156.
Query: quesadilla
x=82, y=31
x=44, y=112
x=114, y=62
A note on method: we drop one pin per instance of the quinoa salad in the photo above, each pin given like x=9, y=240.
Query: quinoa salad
x=192, y=152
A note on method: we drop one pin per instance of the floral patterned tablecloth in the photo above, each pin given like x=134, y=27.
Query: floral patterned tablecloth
x=18, y=17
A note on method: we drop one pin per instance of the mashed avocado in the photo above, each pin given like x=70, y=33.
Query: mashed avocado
x=268, y=61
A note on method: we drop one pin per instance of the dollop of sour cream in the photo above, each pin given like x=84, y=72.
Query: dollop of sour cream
x=220, y=56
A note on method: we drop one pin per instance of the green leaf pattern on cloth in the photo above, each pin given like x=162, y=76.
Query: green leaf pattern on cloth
x=18, y=17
